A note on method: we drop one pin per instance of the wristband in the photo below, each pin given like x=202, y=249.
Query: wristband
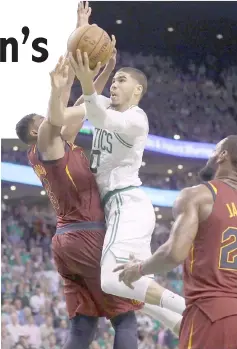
x=140, y=269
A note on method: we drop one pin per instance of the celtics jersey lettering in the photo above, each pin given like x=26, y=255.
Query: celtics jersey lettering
x=116, y=158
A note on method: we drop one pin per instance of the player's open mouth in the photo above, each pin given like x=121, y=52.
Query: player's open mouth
x=113, y=95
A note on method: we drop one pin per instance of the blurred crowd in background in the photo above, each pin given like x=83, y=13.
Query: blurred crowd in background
x=196, y=102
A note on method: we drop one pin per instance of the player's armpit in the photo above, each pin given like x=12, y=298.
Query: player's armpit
x=132, y=122
x=70, y=132
x=50, y=143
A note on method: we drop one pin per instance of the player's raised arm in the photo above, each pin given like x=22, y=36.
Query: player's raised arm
x=49, y=142
x=74, y=116
x=133, y=121
x=83, y=15
x=73, y=119
x=77, y=112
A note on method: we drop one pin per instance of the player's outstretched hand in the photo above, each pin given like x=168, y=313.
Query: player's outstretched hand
x=83, y=13
x=112, y=62
x=130, y=272
x=59, y=76
x=81, y=67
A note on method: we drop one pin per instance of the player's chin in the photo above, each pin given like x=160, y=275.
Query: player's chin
x=115, y=101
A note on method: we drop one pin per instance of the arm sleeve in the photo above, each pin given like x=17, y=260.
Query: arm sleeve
x=133, y=121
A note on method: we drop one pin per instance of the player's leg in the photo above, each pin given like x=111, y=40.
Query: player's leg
x=125, y=326
x=130, y=224
x=159, y=295
x=81, y=258
x=168, y=318
x=82, y=332
x=145, y=290
x=143, y=286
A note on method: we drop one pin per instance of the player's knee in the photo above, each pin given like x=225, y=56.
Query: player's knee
x=82, y=332
x=126, y=321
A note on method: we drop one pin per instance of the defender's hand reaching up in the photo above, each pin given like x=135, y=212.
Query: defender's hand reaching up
x=59, y=76
x=83, y=13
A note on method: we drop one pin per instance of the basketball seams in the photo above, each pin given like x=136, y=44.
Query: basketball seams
x=82, y=35
x=105, y=54
x=97, y=43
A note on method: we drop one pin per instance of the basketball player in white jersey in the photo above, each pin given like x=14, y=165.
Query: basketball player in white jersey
x=121, y=130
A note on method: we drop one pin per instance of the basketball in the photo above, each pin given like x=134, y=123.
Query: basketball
x=93, y=40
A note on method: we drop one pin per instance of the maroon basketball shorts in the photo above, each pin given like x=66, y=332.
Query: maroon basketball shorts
x=198, y=331
x=77, y=249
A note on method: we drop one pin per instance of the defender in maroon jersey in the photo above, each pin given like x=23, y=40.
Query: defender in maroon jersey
x=204, y=237
x=77, y=245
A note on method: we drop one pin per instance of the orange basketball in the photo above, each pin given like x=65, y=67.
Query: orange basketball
x=93, y=40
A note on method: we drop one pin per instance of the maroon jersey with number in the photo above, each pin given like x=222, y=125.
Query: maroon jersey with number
x=210, y=271
x=70, y=186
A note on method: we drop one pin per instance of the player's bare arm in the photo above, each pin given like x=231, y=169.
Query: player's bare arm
x=192, y=206
x=70, y=131
x=50, y=143
x=83, y=16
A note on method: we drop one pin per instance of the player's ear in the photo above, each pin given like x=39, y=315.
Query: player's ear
x=33, y=132
x=222, y=157
x=139, y=90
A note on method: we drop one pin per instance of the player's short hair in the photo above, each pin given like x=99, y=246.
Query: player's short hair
x=230, y=145
x=137, y=75
x=23, y=127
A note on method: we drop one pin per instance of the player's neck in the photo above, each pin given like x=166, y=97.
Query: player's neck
x=124, y=106
x=227, y=175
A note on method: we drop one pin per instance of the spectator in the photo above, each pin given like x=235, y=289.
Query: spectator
x=40, y=317
x=7, y=341
x=62, y=332
x=144, y=323
x=23, y=341
x=47, y=329
x=51, y=343
x=14, y=328
x=33, y=333
x=37, y=300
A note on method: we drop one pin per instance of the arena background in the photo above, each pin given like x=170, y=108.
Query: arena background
x=188, y=52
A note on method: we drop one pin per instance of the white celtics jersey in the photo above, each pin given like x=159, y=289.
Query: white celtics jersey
x=116, y=157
